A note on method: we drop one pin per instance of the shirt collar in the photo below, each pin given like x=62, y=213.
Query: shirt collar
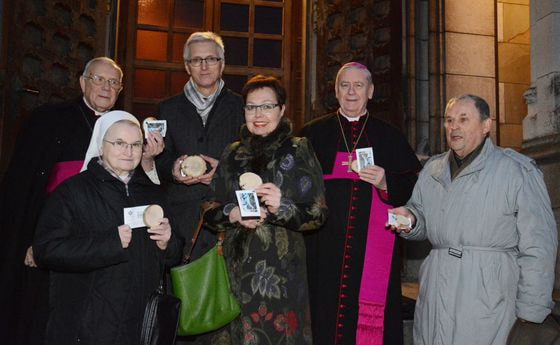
x=351, y=119
x=97, y=113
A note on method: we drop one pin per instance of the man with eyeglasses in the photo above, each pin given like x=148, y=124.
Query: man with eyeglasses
x=201, y=120
x=50, y=148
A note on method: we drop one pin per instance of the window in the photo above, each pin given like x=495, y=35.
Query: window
x=255, y=33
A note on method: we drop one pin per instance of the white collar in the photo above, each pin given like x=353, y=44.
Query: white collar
x=97, y=113
x=351, y=118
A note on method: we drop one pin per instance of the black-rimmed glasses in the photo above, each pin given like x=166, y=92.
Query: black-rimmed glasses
x=210, y=61
x=265, y=108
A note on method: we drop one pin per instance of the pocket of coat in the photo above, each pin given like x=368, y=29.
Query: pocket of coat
x=492, y=294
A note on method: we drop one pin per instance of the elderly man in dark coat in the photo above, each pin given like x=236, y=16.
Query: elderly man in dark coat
x=49, y=149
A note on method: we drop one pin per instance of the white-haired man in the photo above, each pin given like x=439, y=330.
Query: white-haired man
x=49, y=149
x=354, y=275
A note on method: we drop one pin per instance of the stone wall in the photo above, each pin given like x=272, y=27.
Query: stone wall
x=514, y=69
x=541, y=126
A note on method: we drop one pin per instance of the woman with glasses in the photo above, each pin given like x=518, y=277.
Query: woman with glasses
x=102, y=271
x=266, y=254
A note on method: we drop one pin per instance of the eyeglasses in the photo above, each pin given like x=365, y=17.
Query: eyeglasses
x=123, y=145
x=265, y=108
x=97, y=80
x=210, y=61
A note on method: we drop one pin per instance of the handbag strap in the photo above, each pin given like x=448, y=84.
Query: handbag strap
x=206, y=206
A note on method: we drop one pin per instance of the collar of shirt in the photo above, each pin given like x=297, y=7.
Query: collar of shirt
x=353, y=118
x=97, y=113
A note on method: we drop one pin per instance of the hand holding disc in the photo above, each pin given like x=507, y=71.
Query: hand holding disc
x=152, y=214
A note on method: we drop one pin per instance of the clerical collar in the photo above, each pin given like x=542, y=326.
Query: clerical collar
x=353, y=118
x=97, y=113
x=457, y=164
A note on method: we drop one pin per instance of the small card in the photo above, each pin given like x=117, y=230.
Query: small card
x=248, y=203
x=134, y=216
x=155, y=125
x=398, y=221
x=364, y=156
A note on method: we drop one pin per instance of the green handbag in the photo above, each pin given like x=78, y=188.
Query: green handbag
x=203, y=288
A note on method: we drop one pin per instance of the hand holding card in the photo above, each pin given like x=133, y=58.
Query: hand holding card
x=151, y=124
x=364, y=157
x=398, y=221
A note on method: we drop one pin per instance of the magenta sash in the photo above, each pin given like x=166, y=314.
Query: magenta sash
x=377, y=262
x=62, y=171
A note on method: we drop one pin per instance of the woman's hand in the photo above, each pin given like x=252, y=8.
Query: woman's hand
x=161, y=233
x=375, y=175
x=125, y=234
x=235, y=217
x=154, y=145
x=270, y=196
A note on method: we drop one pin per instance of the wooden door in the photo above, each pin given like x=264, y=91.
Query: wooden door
x=258, y=38
x=45, y=46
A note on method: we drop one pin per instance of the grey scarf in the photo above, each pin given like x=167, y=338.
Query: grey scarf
x=202, y=104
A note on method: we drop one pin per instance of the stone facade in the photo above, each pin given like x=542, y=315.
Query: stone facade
x=541, y=126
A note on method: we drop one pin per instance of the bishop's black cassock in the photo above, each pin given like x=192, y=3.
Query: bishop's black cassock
x=50, y=147
x=353, y=244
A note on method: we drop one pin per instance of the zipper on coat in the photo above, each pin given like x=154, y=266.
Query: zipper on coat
x=126, y=189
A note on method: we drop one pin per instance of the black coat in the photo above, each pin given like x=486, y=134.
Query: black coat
x=98, y=289
x=54, y=133
x=186, y=134
x=336, y=252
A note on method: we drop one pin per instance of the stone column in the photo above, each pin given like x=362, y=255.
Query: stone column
x=541, y=126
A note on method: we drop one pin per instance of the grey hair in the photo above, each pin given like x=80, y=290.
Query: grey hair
x=204, y=36
x=354, y=65
x=480, y=104
x=105, y=60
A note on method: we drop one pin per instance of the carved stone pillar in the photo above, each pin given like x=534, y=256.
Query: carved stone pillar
x=541, y=126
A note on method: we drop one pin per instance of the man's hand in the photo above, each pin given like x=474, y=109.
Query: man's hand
x=29, y=260
x=375, y=175
x=207, y=178
x=189, y=180
x=402, y=211
x=161, y=233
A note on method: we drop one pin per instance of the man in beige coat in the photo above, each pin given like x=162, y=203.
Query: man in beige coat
x=487, y=214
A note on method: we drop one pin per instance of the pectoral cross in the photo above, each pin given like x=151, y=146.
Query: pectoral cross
x=349, y=162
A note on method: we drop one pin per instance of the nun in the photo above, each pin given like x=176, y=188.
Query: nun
x=104, y=261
